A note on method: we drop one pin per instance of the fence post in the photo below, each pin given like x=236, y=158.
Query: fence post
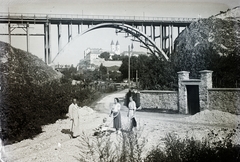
x=182, y=92
x=206, y=83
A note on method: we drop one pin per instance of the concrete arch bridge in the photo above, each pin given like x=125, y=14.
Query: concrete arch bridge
x=154, y=33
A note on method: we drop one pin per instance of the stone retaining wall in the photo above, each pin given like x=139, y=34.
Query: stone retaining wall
x=224, y=99
x=159, y=99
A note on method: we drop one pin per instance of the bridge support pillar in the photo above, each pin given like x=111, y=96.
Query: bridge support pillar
x=59, y=27
x=27, y=31
x=172, y=46
x=164, y=37
x=9, y=33
x=80, y=29
x=169, y=38
x=154, y=36
x=69, y=32
x=47, y=56
x=161, y=36
x=49, y=44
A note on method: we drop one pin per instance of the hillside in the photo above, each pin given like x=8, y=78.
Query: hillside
x=212, y=44
x=18, y=66
x=219, y=33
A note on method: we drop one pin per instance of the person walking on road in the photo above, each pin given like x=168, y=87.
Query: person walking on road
x=74, y=117
x=131, y=112
x=115, y=110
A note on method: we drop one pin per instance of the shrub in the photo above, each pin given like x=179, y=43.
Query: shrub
x=25, y=108
x=128, y=147
x=189, y=149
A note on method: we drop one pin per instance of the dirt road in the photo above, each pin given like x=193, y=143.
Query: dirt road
x=55, y=144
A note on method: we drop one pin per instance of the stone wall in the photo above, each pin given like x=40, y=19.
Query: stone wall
x=159, y=99
x=224, y=99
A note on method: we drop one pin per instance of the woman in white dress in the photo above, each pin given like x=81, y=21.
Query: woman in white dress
x=115, y=110
x=131, y=111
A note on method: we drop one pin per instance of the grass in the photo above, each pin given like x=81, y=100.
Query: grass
x=130, y=148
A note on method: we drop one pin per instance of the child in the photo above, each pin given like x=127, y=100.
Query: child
x=102, y=129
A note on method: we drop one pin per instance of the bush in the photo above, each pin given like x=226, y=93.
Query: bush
x=191, y=150
x=128, y=147
x=25, y=108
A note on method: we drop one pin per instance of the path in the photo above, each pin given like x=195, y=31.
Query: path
x=53, y=145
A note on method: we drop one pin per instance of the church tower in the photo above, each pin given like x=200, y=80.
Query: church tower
x=117, y=51
x=112, y=47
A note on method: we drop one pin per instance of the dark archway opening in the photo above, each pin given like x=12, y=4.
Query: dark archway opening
x=193, y=99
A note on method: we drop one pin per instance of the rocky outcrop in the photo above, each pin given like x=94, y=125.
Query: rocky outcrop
x=212, y=44
x=220, y=33
x=20, y=67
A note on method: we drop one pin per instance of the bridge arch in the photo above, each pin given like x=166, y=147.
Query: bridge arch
x=136, y=33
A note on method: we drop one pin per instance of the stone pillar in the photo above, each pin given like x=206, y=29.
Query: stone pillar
x=206, y=83
x=182, y=92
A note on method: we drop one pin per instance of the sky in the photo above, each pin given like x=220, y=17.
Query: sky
x=100, y=38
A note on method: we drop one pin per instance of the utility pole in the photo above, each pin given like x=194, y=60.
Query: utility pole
x=129, y=67
x=137, y=78
x=129, y=71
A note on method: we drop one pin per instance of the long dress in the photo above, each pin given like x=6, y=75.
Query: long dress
x=75, y=116
x=117, y=124
x=131, y=111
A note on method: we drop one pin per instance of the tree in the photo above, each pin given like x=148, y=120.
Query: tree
x=115, y=75
x=105, y=55
x=90, y=76
x=117, y=57
x=103, y=72
x=124, y=67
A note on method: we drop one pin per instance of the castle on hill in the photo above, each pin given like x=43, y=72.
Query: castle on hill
x=92, y=59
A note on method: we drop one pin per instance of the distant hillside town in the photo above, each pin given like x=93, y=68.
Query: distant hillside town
x=92, y=59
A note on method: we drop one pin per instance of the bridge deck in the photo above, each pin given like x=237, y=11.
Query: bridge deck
x=92, y=19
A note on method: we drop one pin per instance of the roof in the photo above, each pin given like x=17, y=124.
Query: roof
x=112, y=43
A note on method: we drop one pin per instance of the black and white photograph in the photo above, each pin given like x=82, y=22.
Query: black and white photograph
x=119, y=80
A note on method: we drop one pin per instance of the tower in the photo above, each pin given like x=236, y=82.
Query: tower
x=112, y=46
x=117, y=51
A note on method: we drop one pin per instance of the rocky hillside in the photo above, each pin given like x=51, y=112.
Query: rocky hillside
x=220, y=33
x=18, y=66
x=212, y=44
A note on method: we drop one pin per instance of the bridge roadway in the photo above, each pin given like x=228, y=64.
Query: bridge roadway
x=92, y=19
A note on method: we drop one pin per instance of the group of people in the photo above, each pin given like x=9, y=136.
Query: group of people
x=115, y=113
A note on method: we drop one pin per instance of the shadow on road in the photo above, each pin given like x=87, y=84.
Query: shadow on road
x=66, y=131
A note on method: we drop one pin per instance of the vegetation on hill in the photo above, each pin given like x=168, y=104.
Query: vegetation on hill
x=18, y=66
x=32, y=94
x=211, y=44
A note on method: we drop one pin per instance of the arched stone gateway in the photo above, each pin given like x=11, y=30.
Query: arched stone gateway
x=142, y=37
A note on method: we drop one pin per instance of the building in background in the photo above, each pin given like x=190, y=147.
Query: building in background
x=115, y=48
x=92, y=53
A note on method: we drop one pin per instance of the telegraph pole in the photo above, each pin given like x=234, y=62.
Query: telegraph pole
x=129, y=84
x=137, y=78
x=129, y=71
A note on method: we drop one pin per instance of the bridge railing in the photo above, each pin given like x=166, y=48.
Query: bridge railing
x=93, y=17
